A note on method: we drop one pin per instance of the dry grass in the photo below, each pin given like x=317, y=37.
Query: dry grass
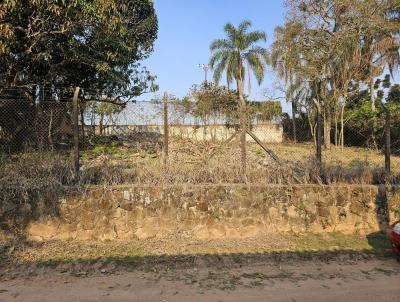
x=175, y=246
x=336, y=155
x=24, y=175
x=32, y=183
x=190, y=162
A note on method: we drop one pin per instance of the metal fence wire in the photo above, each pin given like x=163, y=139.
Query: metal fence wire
x=44, y=125
x=167, y=141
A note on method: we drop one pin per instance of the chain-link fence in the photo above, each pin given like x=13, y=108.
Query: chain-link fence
x=173, y=141
x=35, y=126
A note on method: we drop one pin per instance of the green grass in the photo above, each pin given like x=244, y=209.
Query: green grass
x=114, y=152
x=376, y=243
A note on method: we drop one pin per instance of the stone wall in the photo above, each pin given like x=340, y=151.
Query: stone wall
x=268, y=132
x=218, y=211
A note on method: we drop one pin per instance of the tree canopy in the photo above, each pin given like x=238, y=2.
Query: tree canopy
x=239, y=52
x=97, y=45
x=327, y=46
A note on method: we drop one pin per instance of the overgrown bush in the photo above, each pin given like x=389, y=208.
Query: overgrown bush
x=30, y=185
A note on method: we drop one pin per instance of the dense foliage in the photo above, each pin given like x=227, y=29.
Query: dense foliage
x=96, y=45
x=47, y=47
x=216, y=104
x=358, y=117
x=325, y=49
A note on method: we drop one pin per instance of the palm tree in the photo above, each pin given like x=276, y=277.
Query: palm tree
x=237, y=53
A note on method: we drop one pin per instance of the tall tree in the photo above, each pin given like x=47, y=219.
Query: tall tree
x=97, y=45
x=379, y=44
x=328, y=44
x=299, y=56
x=237, y=53
x=286, y=59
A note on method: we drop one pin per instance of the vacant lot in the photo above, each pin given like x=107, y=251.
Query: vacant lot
x=208, y=162
x=139, y=160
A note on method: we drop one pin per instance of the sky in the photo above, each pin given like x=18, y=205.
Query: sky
x=186, y=29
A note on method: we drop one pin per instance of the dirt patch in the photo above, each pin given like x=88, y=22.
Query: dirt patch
x=280, y=267
x=18, y=258
x=298, y=280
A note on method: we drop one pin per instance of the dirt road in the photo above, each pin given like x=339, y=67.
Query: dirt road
x=298, y=280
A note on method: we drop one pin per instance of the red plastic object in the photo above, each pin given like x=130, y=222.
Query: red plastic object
x=395, y=240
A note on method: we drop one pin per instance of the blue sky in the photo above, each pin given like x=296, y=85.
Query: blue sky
x=186, y=29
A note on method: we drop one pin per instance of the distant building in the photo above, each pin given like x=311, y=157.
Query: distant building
x=266, y=132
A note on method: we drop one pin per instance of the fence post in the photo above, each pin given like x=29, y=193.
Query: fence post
x=243, y=151
x=166, y=130
x=75, y=119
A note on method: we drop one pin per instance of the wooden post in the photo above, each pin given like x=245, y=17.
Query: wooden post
x=243, y=130
x=75, y=119
x=166, y=130
x=387, y=139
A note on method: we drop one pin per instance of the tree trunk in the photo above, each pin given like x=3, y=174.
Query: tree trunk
x=101, y=123
x=372, y=93
x=327, y=129
x=82, y=111
x=341, y=139
x=312, y=127
x=387, y=139
x=318, y=135
x=294, y=121
x=373, y=108
x=336, y=128
x=75, y=121
x=342, y=126
x=343, y=105
x=39, y=113
x=93, y=120
x=319, y=142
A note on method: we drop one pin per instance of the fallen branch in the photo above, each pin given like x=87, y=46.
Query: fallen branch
x=269, y=151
